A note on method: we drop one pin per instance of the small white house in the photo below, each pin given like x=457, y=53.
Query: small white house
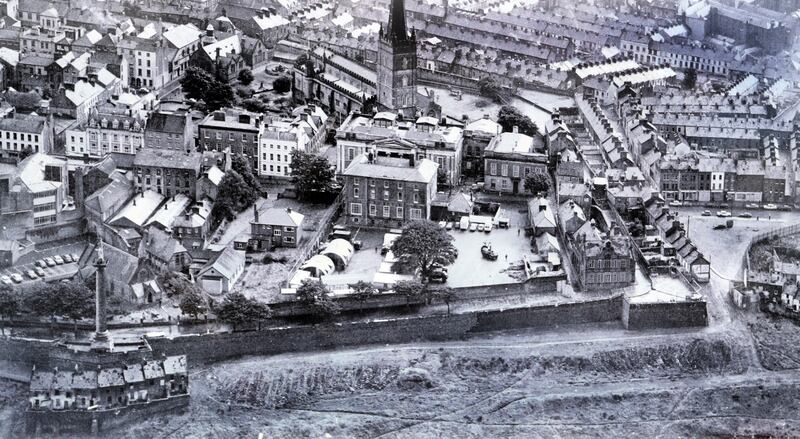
x=220, y=276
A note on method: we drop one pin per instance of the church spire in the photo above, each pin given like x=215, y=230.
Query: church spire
x=396, y=30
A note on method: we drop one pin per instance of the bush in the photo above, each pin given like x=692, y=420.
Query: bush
x=246, y=76
x=269, y=259
x=244, y=92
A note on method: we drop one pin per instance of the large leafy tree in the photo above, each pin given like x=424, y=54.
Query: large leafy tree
x=9, y=304
x=198, y=84
x=73, y=300
x=317, y=297
x=509, y=117
x=489, y=88
x=363, y=291
x=442, y=294
x=234, y=196
x=282, y=84
x=537, y=183
x=23, y=102
x=412, y=290
x=237, y=309
x=423, y=243
x=193, y=303
x=244, y=167
x=246, y=76
x=311, y=173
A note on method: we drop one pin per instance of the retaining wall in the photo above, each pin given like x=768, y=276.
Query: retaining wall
x=664, y=314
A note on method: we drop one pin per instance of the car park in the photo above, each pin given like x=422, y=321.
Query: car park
x=706, y=213
x=58, y=259
x=723, y=214
x=6, y=280
x=50, y=262
x=16, y=278
x=39, y=272
x=32, y=274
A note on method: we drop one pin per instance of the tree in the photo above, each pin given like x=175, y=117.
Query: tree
x=237, y=309
x=443, y=294
x=489, y=88
x=689, y=79
x=537, y=183
x=198, y=84
x=234, y=195
x=317, y=297
x=363, y=291
x=509, y=117
x=9, y=304
x=412, y=290
x=246, y=76
x=254, y=105
x=311, y=173
x=244, y=167
x=23, y=102
x=425, y=244
x=193, y=303
x=282, y=84
x=70, y=299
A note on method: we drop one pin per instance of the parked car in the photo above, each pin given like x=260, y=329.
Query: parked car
x=487, y=228
x=67, y=258
x=785, y=207
x=723, y=214
x=751, y=206
x=473, y=227
x=720, y=227
x=770, y=206
x=706, y=213
x=41, y=263
x=449, y=226
x=50, y=262
x=16, y=278
x=6, y=280
x=442, y=224
x=463, y=224
x=480, y=227
x=39, y=272
x=675, y=203
x=58, y=259
x=745, y=215
x=32, y=274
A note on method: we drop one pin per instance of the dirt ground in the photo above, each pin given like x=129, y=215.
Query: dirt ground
x=503, y=385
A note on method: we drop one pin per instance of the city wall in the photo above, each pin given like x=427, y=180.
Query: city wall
x=664, y=314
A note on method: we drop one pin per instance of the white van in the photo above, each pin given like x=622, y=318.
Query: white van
x=464, y=223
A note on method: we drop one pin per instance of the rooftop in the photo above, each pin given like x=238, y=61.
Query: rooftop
x=423, y=171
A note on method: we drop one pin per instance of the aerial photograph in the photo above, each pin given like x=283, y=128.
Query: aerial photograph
x=393, y=219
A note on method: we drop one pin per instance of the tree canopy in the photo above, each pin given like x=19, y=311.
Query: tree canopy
x=9, y=302
x=317, y=297
x=363, y=291
x=198, y=84
x=282, y=84
x=234, y=196
x=412, y=290
x=237, y=309
x=425, y=244
x=193, y=303
x=244, y=167
x=489, y=88
x=537, y=183
x=509, y=117
x=311, y=173
x=23, y=102
x=71, y=299
x=246, y=76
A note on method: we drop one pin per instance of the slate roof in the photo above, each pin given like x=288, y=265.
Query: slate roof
x=227, y=263
x=168, y=159
x=166, y=123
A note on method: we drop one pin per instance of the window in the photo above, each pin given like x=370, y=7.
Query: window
x=416, y=214
x=386, y=211
x=416, y=197
x=515, y=171
x=399, y=212
x=372, y=210
x=493, y=168
x=504, y=170
x=276, y=231
x=355, y=192
x=385, y=195
x=399, y=196
x=355, y=209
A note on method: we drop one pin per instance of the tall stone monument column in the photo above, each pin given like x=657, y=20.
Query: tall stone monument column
x=102, y=339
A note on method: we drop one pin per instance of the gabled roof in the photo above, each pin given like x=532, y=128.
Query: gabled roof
x=182, y=35
x=279, y=217
x=227, y=263
x=166, y=123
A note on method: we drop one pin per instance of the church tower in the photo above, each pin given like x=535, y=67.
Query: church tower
x=397, y=64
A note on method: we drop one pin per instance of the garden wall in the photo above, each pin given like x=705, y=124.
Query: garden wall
x=664, y=314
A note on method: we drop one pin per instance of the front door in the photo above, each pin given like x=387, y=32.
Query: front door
x=515, y=186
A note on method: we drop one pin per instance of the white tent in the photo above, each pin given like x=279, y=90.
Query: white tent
x=319, y=265
x=340, y=251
